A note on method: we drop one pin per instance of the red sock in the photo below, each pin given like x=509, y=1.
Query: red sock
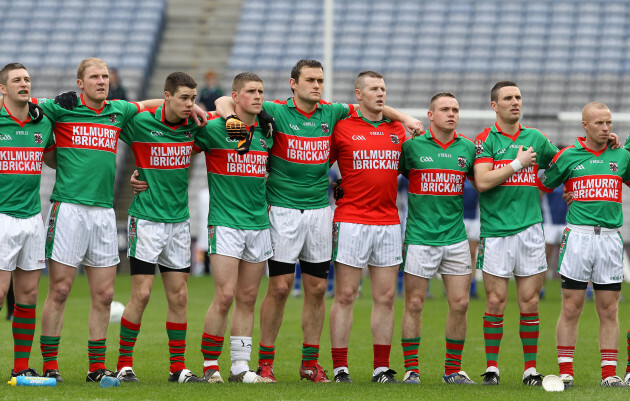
x=609, y=362
x=565, y=359
x=381, y=355
x=339, y=357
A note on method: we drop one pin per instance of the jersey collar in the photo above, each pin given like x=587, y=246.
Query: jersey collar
x=162, y=118
x=429, y=134
x=97, y=111
x=512, y=137
x=580, y=143
x=15, y=119
x=375, y=124
x=291, y=103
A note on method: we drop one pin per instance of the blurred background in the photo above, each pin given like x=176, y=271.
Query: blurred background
x=562, y=54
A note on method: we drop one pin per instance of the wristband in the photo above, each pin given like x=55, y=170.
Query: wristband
x=516, y=165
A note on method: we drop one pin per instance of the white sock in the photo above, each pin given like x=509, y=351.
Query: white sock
x=239, y=367
x=493, y=369
x=339, y=369
x=380, y=369
x=530, y=371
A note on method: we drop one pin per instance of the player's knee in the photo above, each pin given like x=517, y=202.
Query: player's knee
x=385, y=299
x=345, y=296
x=247, y=298
x=28, y=296
x=414, y=305
x=279, y=291
x=223, y=301
x=59, y=293
x=179, y=298
x=104, y=296
x=459, y=305
x=141, y=297
x=315, y=289
x=608, y=312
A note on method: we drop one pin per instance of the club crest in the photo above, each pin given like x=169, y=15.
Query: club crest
x=394, y=138
x=479, y=147
x=325, y=128
x=188, y=134
x=461, y=162
x=112, y=118
x=264, y=144
x=614, y=167
x=39, y=139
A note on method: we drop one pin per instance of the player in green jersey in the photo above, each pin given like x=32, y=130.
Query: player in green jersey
x=592, y=248
x=159, y=222
x=300, y=215
x=81, y=224
x=239, y=241
x=506, y=166
x=24, y=143
x=437, y=164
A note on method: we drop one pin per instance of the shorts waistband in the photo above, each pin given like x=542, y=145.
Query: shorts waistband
x=595, y=230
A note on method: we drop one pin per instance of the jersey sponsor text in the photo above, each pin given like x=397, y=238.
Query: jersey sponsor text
x=87, y=136
x=21, y=160
x=525, y=177
x=595, y=188
x=436, y=182
x=375, y=159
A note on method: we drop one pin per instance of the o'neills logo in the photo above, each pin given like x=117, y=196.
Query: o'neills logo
x=595, y=188
x=162, y=155
x=436, y=182
x=228, y=162
x=21, y=160
x=375, y=159
x=526, y=177
x=301, y=150
x=87, y=136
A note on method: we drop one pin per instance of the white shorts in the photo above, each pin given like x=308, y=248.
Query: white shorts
x=80, y=234
x=167, y=244
x=301, y=234
x=22, y=243
x=553, y=233
x=586, y=256
x=360, y=245
x=473, y=229
x=522, y=254
x=252, y=246
x=426, y=261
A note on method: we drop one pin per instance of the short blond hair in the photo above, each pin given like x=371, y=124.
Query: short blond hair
x=592, y=105
x=87, y=63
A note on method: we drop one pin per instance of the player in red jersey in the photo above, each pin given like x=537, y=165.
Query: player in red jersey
x=366, y=226
x=300, y=214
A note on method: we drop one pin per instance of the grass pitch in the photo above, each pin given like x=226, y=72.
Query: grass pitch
x=151, y=353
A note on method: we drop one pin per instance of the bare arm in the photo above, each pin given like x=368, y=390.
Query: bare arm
x=50, y=158
x=225, y=106
x=411, y=124
x=199, y=116
x=487, y=178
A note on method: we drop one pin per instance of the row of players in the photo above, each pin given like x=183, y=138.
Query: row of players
x=284, y=164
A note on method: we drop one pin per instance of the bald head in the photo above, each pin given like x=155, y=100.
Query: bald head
x=590, y=107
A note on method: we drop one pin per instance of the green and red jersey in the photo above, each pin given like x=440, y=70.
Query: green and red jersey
x=236, y=182
x=298, y=166
x=368, y=153
x=594, y=178
x=22, y=148
x=514, y=205
x=436, y=173
x=87, y=141
x=162, y=153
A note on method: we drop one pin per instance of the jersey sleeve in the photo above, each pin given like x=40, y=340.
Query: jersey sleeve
x=402, y=163
x=626, y=146
x=202, y=139
x=553, y=176
x=340, y=111
x=332, y=157
x=126, y=134
x=50, y=143
x=130, y=109
x=271, y=107
x=546, y=153
x=483, y=148
x=49, y=107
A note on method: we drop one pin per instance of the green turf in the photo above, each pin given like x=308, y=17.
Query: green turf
x=151, y=355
